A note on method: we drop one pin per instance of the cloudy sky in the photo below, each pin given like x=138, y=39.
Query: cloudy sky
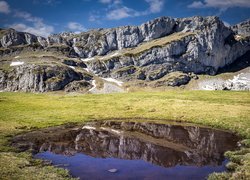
x=43, y=17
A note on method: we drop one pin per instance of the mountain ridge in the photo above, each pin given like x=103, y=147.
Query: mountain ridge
x=148, y=52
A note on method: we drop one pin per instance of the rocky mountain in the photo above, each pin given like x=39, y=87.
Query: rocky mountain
x=242, y=28
x=164, y=145
x=162, y=52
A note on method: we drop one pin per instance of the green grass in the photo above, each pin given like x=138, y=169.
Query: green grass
x=145, y=46
x=160, y=42
x=22, y=112
x=35, y=58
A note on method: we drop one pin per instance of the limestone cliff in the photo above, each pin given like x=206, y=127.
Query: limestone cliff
x=149, y=52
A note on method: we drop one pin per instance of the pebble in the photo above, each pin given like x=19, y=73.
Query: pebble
x=112, y=170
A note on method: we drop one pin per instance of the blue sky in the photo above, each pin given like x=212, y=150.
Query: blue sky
x=43, y=17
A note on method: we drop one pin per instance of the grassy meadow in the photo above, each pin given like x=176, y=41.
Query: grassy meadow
x=22, y=112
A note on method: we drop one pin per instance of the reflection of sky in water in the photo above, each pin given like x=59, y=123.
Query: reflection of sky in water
x=151, y=151
x=87, y=167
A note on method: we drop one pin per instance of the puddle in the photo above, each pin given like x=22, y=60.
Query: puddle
x=128, y=150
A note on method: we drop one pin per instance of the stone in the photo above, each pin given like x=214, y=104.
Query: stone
x=77, y=86
x=10, y=37
x=172, y=79
x=112, y=170
x=37, y=78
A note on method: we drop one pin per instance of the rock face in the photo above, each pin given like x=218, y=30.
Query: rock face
x=102, y=41
x=11, y=37
x=148, y=52
x=173, y=79
x=242, y=28
x=77, y=86
x=33, y=78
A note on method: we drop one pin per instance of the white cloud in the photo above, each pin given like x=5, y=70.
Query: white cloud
x=52, y=2
x=37, y=27
x=196, y=4
x=4, y=7
x=105, y=1
x=220, y=4
x=120, y=12
x=77, y=27
x=94, y=18
x=47, y=2
x=110, y=1
x=155, y=6
x=27, y=17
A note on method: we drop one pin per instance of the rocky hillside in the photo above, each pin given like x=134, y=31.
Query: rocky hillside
x=162, y=52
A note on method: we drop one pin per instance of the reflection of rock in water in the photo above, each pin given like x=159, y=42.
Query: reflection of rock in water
x=160, y=144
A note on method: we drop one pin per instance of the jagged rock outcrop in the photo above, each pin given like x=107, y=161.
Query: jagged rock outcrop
x=148, y=52
x=242, y=28
x=102, y=41
x=38, y=78
x=173, y=79
x=204, y=46
x=10, y=37
x=78, y=86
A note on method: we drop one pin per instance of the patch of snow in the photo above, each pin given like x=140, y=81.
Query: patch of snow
x=208, y=87
x=116, y=131
x=87, y=59
x=16, y=57
x=244, y=78
x=112, y=130
x=89, y=127
x=87, y=69
x=105, y=129
x=72, y=67
x=115, y=54
x=109, y=55
x=242, y=81
x=77, y=50
x=119, y=83
x=94, y=85
x=239, y=79
x=186, y=29
x=101, y=58
x=188, y=153
x=78, y=137
x=238, y=82
x=17, y=63
x=237, y=37
x=121, y=142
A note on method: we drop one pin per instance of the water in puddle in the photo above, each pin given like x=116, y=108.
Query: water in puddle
x=114, y=150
